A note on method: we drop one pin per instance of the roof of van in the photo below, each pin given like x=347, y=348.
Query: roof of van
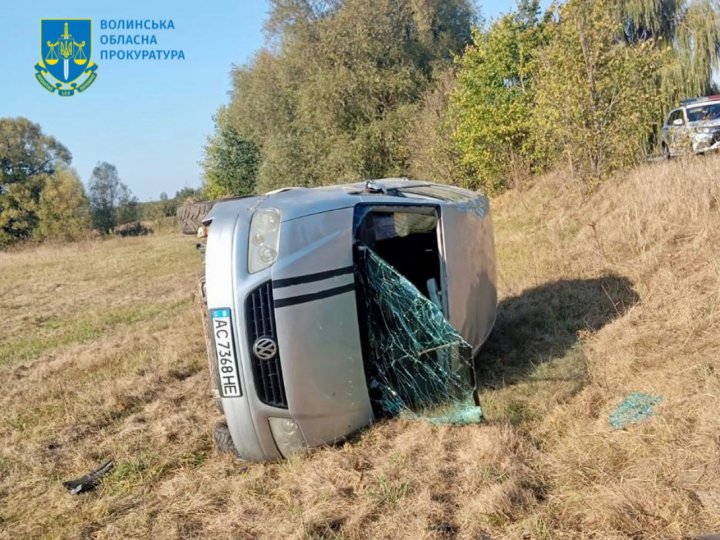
x=297, y=202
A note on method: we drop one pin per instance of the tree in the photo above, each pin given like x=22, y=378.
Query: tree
x=167, y=205
x=586, y=85
x=187, y=193
x=494, y=97
x=63, y=210
x=433, y=154
x=612, y=71
x=28, y=159
x=111, y=201
x=335, y=94
x=688, y=35
x=596, y=95
x=230, y=162
x=127, y=208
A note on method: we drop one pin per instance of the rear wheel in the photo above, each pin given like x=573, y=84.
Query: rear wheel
x=223, y=440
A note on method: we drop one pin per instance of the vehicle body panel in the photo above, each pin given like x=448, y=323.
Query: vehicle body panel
x=224, y=260
x=318, y=329
x=472, y=298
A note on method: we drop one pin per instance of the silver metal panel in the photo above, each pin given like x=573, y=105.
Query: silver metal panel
x=469, y=253
x=299, y=202
x=319, y=339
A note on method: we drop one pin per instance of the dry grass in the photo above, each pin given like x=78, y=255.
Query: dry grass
x=101, y=356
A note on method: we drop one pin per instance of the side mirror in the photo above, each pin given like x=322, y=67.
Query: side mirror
x=678, y=122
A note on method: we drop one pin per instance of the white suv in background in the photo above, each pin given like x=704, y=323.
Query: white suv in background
x=692, y=127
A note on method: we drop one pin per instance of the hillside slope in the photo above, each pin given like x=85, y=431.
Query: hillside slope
x=648, y=240
x=602, y=295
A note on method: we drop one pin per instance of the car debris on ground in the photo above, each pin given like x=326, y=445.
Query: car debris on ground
x=90, y=481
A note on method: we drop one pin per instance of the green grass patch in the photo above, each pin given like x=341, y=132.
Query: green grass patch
x=127, y=475
x=82, y=329
x=389, y=492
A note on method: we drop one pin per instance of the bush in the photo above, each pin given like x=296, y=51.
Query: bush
x=493, y=101
x=63, y=210
x=136, y=228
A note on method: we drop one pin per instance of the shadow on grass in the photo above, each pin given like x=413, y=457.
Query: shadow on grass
x=535, y=339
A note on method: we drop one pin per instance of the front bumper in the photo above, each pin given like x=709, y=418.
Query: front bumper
x=706, y=142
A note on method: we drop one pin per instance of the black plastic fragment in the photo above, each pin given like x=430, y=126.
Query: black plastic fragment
x=90, y=481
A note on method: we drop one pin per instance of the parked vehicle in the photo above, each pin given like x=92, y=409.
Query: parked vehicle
x=694, y=127
x=284, y=320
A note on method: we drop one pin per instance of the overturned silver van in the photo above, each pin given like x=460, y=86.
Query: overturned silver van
x=285, y=311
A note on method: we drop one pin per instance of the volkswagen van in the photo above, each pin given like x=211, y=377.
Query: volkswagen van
x=283, y=318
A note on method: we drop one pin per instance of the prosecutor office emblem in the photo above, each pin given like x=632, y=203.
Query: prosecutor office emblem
x=65, y=48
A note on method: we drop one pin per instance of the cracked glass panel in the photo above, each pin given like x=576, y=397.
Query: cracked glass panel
x=416, y=362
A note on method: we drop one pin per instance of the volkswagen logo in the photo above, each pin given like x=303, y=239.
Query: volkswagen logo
x=265, y=348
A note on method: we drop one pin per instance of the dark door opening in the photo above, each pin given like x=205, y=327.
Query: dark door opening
x=406, y=239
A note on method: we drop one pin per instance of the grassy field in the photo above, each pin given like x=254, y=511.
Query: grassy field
x=102, y=356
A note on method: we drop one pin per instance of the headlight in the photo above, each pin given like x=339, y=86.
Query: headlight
x=264, y=239
x=704, y=130
x=287, y=435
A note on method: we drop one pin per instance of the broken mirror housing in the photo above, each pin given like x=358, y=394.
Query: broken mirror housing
x=330, y=307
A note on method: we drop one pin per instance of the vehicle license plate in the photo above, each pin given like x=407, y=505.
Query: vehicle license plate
x=225, y=352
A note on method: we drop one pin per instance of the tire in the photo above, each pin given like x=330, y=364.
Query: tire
x=666, y=151
x=223, y=440
x=190, y=216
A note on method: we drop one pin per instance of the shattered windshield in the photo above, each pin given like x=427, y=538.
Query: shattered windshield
x=416, y=361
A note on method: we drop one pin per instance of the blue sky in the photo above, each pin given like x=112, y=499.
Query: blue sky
x=149, y=118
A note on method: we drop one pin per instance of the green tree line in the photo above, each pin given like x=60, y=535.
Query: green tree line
x=351, y=89
x=346, y=90
x=42, y=197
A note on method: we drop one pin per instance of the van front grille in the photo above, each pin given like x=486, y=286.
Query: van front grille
x=264, y=351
